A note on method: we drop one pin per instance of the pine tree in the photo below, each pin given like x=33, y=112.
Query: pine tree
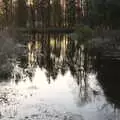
x=21, y=13
x=6, y=10
x=57, y=13
x=44, y=12
x=71, y=12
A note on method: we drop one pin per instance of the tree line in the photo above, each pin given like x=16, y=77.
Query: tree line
x=40, y=13
x=59, y=13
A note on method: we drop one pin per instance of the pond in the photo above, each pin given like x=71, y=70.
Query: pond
x=58, y=80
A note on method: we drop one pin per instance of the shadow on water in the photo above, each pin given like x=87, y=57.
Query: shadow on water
x=108, y=75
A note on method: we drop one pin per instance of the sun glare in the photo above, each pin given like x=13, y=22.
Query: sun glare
x=30, y=2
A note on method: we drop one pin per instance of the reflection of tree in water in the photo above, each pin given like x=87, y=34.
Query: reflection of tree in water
x=50, y=56
x=77, y=62
x=59, y=54
x=109, y=77
x=23, y=61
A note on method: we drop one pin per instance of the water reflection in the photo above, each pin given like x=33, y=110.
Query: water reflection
x=60, y=71
x=109, y=78
x=58, y=54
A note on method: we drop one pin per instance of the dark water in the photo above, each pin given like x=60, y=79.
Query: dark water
x=58, y=80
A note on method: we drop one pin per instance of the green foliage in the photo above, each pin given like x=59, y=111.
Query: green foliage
x=83, y=32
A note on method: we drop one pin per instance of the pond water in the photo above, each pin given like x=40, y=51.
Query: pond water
x=57, y=80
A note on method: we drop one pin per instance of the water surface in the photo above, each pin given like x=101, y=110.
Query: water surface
x=58, y=80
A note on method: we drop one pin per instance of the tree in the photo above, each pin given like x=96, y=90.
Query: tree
x=21, y=13
x=6, y=10
x=71, y=12
x=44, y=12
x=57, y=13
x=78, y=11
x=105, y=13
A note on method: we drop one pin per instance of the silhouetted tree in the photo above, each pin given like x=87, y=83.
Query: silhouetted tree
x=71, y=12
x=57, y=13
x=21, y=13
x=6, y=10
